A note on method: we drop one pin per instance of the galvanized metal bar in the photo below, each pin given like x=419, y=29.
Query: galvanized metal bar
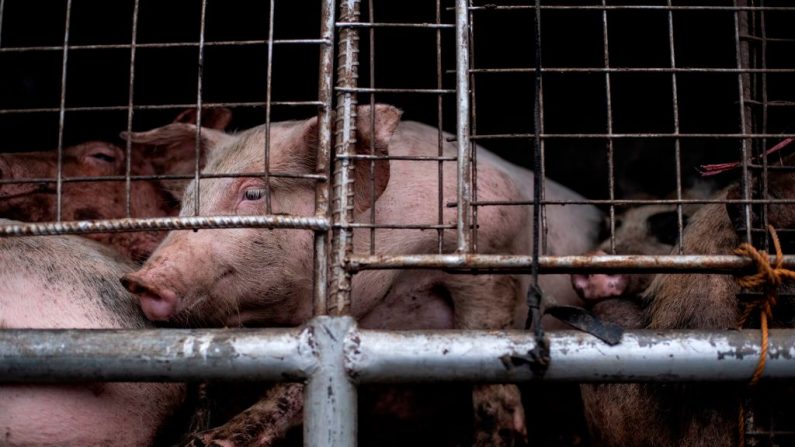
x=464, y=172
x=611, y=175
x=331, y=352
x=324, y=120
x=162, y=223
x=503, y=356
x=440, y=137
x=155, y=354
x=743, y=88
x=677, y=142
x=125, y=46
x=330, y=397
x=638, y=7
x=2, y=9
x=199, y=99
x=720, y=264
x=342, y=180
x=130, y=110
x=62, y=114
x=268, y=95
x=172, y=106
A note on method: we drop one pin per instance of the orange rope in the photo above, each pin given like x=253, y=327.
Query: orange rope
x=770, y=277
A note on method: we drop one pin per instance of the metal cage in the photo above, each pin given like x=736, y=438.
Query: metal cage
x=577, y=112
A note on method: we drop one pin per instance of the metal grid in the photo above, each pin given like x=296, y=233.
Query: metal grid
x=759, y=118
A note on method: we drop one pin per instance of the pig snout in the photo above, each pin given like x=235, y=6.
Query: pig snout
x=158, y=303
x=599, y=286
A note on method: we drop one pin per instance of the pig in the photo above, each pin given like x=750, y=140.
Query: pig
x=685, y=414
x=255, y=277
x=644, y=230
x=92, y=200
x=69, y=282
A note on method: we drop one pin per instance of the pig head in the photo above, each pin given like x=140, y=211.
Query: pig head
x=102, y=199
x=252, y=276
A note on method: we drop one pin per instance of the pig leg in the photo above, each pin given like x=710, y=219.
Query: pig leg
x=491, y=302
x=262, y=424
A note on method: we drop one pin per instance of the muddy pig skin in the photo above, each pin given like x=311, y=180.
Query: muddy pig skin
x=36, y=202
x=71, y=282
x=704, y=414
x=255, y=277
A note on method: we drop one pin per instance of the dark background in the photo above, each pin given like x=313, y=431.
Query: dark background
x=404, y=58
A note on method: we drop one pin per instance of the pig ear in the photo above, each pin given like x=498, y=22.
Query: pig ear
x=211, y=118
x=374, y=129
x=171, y=149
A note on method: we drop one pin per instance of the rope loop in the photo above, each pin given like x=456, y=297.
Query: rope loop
x=770, y=278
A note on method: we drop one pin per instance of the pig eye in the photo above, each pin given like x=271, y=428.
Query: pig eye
x=107, y=158
x=254, y=194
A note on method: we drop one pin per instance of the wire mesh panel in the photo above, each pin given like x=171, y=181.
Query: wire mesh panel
x=428, y=120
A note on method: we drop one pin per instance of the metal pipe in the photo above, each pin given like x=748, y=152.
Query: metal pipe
x=331, y=351
x=155, y=355
x=502, y=356
x=464, y=191
x=721, y=264
x=322, y=167
x=330, y=396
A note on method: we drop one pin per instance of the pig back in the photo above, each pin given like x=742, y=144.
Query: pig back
x=70, y=282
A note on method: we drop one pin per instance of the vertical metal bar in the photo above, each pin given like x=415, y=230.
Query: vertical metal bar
x=330, y=397
x=199, y=78
x=439, y=132
x=763, y=75
x=677, y=142
x=325, y=96
x=371, y=166
x=464, y=193
x=130, y=97
x=342, y=182
x=268, y=91
x=743, y=81
x=2, y=9
x=610, y=149
x=540, y=171
x=62, y=114
x=473, y=125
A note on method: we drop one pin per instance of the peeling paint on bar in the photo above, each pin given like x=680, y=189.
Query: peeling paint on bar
x=370, y=356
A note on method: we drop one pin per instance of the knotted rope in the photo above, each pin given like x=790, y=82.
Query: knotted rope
x=771, y=277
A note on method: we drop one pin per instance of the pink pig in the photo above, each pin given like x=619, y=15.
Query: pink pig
x=70, y=282
x=257, y=277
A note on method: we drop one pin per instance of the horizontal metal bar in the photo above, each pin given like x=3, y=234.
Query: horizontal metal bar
x=501, y=356
x=631, y=202
x=155, y=355
x=381, y=356
x=162, y=224
x=433, y=91
x=632, y=70
x=163, y=106
x=394, y=25
x=112, y=178
x=398, y=226
x=397, y=157
x=493, y=7
x=560, y=264
x=738, y=136
x=127, y=46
